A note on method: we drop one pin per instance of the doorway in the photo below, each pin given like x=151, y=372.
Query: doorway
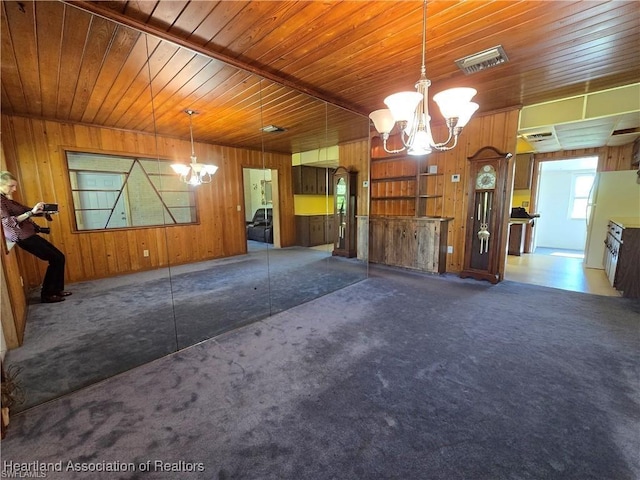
x=261, y=198
x=562, y=198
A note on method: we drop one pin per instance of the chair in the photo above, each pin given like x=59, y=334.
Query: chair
x=260, y=228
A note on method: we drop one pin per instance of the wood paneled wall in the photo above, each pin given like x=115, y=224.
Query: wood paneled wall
x=14, y=304
x=355, y=156
x=609, y=158
x=34, y=150
x=13, y=300
x=497, y=129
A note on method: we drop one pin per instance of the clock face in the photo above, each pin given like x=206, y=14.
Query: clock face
x=486, y=178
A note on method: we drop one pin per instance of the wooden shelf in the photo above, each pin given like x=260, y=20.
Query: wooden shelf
x=398, y=178
x=390, y=156
x=394, y=179
x=430, y=190
x=405, y=197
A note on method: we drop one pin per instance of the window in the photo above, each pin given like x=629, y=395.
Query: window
x=110, y=191
x=580, y=190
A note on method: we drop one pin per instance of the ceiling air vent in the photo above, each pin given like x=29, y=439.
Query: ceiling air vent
x=626, y=131
x=538, y=137
x=272, y=129
x=483, y=60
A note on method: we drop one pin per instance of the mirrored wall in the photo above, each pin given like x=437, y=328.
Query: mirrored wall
x=143, y=291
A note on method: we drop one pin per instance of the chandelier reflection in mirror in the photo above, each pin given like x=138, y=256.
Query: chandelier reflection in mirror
x=195, y=173
x=410, y=111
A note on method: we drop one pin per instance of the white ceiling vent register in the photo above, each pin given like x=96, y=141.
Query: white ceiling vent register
x=543, y=140
x=538, y=137
x=483, y=60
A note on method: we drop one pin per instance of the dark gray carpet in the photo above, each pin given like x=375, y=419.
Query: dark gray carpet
x=399, y=376
x=112, y=325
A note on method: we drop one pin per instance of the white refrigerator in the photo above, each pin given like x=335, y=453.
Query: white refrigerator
x=614, y=194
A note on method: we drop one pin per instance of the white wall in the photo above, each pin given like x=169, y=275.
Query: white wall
x=252, y=190
x=554, y=228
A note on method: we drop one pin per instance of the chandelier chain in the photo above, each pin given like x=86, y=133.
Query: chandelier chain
x=408, y=112
x=195, y=173
x=190, y=113
x=424, y=39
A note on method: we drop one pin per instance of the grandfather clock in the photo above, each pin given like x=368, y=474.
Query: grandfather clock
x=344, y=212
x=486, y=212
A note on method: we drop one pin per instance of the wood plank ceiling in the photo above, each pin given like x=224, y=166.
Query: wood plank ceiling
x=243, y=65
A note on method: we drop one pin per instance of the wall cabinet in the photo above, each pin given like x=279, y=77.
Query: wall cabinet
x=324, y=177
x=309, y=180
x=416, y=243
x=312, y=230
x=622, y=256
x=524, y=172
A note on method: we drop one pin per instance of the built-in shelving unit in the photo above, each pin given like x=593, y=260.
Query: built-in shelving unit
x=430, y=188
x=393, y=185
x=405, y=185
x=406, y=225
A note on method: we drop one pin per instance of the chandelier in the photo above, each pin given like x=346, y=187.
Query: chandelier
x=195, y=173
x=410, y=111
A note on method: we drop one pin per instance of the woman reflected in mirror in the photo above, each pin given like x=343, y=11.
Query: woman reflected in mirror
x=23, y=231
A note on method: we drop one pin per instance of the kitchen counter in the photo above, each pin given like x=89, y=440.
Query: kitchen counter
x=517, y=230
x=627, y=222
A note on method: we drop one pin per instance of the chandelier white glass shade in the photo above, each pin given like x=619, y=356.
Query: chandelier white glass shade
x=195, y=173
x=410, y=110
